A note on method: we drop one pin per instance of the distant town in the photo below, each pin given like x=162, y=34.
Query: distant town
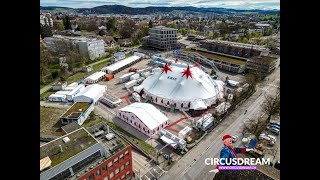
x=149, y=93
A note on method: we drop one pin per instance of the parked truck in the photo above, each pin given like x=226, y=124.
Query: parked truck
x=130, y=84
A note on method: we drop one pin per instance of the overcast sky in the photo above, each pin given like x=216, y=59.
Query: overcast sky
x=235, y=4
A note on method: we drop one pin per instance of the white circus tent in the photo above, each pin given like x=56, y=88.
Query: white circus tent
x=182, y=87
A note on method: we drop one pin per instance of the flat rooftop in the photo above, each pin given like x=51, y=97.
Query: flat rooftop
x=76, y=110
x=217, y=57
x=263, y=59
x=79, y=140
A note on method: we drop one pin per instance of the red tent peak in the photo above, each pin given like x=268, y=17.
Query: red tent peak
x=187, y=72
x=166, y=68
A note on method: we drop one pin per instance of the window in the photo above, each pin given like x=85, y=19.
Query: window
x=128, y=173
x=121, y=156
x=98, y=173
x=104, y=168
x=126, y=153
x=91, y=177
x=122, y=167
x=127, y=163
x=116, y=160
x=111, y=175
x=123, y=176
x=106, y=178
x=117, y=171
x=110, y=164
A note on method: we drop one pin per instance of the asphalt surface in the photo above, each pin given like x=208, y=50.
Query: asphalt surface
x=192, y=165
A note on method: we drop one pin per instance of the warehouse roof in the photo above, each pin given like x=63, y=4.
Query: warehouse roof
x=95, y=76
x=92, y=90
x=147, y=113
x=122, y=63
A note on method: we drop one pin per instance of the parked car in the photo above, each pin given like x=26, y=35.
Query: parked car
x=275, y=131
x=275, y=126
x=235, y=138
x=275, y=122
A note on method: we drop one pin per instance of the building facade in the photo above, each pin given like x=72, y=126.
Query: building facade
x=46, y=20
x=265, y=65
x=234, y=48
x=161, y=38
x=91, y=47
x=86, y=157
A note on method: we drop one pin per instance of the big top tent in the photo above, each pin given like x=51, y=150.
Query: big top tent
x=182, y=87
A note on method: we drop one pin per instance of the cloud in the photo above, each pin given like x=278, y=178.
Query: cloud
x=235, y=4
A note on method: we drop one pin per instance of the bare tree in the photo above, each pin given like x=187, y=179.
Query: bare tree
x=45, y=58
x=256, y=126
x=271, y=105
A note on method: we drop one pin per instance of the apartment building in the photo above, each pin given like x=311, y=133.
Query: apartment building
x=162, y=38
x=90, y=47
x=263, y=64
x=46, y=20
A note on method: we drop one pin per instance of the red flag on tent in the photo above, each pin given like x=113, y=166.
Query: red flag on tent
x=161, y=100
x=189, y=105
x=166, y=68
x=176, y=60
x=187, y=72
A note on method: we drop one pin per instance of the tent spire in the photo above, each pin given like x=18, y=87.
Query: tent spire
x=166, y=68
x=187, y=72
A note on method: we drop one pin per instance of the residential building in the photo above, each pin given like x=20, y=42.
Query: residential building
x=161, y=38
x=85, y=154
x=46, y=20
x=90, y=47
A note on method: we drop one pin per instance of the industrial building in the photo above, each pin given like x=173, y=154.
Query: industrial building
x=82, y=156
x=162, y=38
x=57, y=86
x=232, y=64
x=93, y=48
x=78, y=112
x=262, y=64
x=91, y=93
x=121, y=65
x=234, y=48
x=144, y=117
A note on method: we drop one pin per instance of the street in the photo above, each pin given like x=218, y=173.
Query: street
x=192, y=165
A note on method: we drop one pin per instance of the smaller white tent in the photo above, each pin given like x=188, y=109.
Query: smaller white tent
x=91, y=93
x=144, y=117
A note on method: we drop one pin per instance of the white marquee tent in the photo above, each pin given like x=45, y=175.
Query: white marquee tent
x=144, y=117
x=180, y=87
x=90, y=94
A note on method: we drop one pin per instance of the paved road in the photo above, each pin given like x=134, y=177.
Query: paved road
x=192, y=166
x=47, y=87
x=55, y=104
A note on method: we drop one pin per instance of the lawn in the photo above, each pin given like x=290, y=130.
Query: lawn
x=49, y=121
x=94, y=119
x=81, y=75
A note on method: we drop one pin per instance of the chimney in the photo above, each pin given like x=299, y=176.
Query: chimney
x=60, y=148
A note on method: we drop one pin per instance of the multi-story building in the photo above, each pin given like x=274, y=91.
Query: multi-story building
x=46, y=20
x=262, y=64
x=87, y=154
x=90, y=47
x=234, y=48
x=161, y=38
